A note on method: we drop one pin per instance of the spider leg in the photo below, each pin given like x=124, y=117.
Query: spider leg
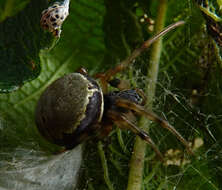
x=103, y=82
x=153, y=117
x=120, y=84
x=106, y=76
x=82, y=71
x=105, y=130
x=121, y=120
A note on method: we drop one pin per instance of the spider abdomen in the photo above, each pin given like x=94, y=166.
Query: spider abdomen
x=68, y=108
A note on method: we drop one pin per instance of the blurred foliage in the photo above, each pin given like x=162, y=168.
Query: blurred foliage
x=21, y=39
x=212, y=11
x=11, y=7
x=97, y=35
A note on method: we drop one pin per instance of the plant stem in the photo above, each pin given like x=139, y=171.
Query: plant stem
x=137, y=159
x=105, y=166
x=7, y=10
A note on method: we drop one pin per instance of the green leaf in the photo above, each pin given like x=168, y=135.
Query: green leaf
x=11, y=7
x=21, y=39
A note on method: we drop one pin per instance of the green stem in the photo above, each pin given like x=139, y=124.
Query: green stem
x=105, y=166
x=210, y=14
x=121, y=142
x=7, y=10
x=162, y=184
x=138, y=156
x=152, y=173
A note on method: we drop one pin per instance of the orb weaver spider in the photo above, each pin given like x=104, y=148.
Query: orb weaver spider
x=74, y=106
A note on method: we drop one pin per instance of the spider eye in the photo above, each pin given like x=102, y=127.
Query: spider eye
x=54, y=17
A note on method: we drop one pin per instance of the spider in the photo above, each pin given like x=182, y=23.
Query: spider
x=74, y=107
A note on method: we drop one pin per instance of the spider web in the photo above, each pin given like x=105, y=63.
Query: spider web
x=188, y=104
x=188, y=97
x=185, y=96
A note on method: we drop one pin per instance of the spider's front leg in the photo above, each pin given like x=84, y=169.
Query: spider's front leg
x=129, y=105
x=105, y=77
x=122, y=121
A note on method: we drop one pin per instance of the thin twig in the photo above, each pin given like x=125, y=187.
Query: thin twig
x=105, y=166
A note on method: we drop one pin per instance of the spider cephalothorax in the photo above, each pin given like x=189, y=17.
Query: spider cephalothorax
x=74, y=107
x=53, y=17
